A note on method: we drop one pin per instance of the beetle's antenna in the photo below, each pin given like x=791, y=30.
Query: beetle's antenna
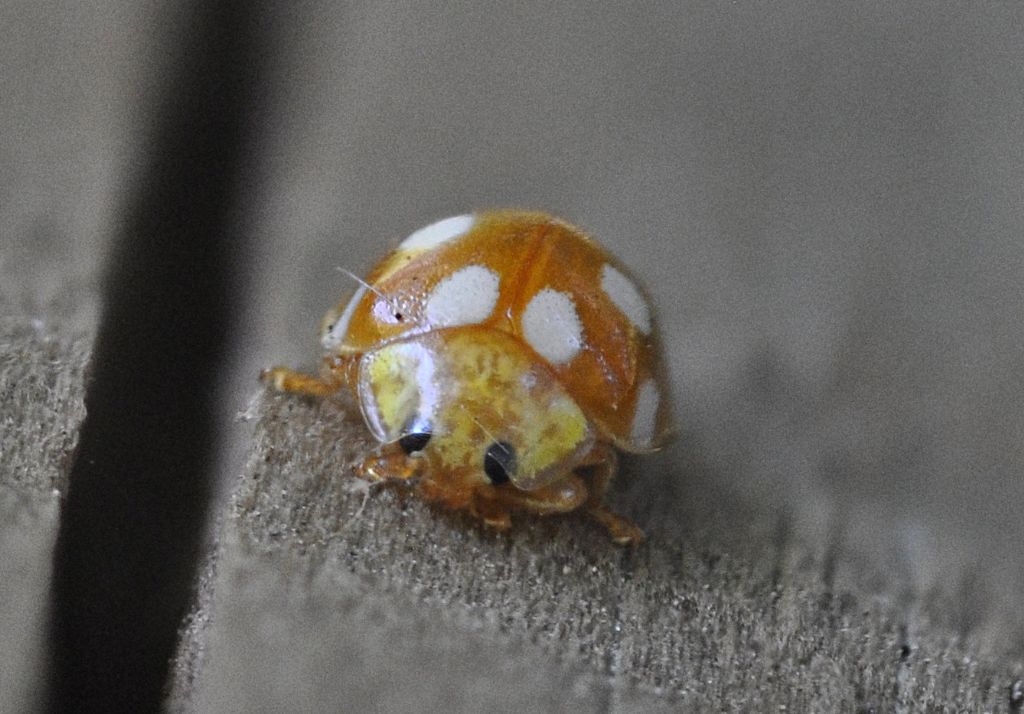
x=394, y=308
x=365, y=284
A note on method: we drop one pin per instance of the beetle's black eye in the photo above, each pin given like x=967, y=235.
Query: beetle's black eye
x=417, y=441
x=499, y=462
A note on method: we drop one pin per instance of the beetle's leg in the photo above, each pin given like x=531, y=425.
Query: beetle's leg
x=284, y=379
x=603, y=464
x=565, y=495
x=495, y=505
x=494, y=514
x=388, y=463
x=336, y=372
x=622, y=530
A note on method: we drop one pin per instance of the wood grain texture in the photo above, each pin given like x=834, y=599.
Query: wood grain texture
x=41, y=409
x=329, y=595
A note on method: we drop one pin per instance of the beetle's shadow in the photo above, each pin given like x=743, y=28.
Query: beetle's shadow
x=677, y=493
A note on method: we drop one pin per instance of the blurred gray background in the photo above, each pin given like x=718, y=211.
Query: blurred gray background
x=825, y=201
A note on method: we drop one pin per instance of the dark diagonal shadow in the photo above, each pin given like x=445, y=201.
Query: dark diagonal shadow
x=139, y=489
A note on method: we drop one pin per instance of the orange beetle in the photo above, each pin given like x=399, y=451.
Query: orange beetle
x=500, y=358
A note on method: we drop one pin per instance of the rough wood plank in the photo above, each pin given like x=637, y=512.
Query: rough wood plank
x=289, y=635
x=41, y=408
x=720, y=610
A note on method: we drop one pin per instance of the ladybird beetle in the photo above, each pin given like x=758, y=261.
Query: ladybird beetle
x=501, y=359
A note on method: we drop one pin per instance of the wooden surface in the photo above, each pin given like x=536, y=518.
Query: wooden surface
x=825, y=205
x=326, y=593
x=41, y=410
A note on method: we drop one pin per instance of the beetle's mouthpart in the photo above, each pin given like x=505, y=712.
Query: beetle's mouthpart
x=388, y=464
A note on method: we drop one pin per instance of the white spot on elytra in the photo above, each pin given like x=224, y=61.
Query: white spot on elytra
x=552, y=327
x=336, y=334
x=437, y=233
x=621, y=291
x=465, y=297
x=645, y=418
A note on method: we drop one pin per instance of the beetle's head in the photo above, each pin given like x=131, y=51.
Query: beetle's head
x=476, y=405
